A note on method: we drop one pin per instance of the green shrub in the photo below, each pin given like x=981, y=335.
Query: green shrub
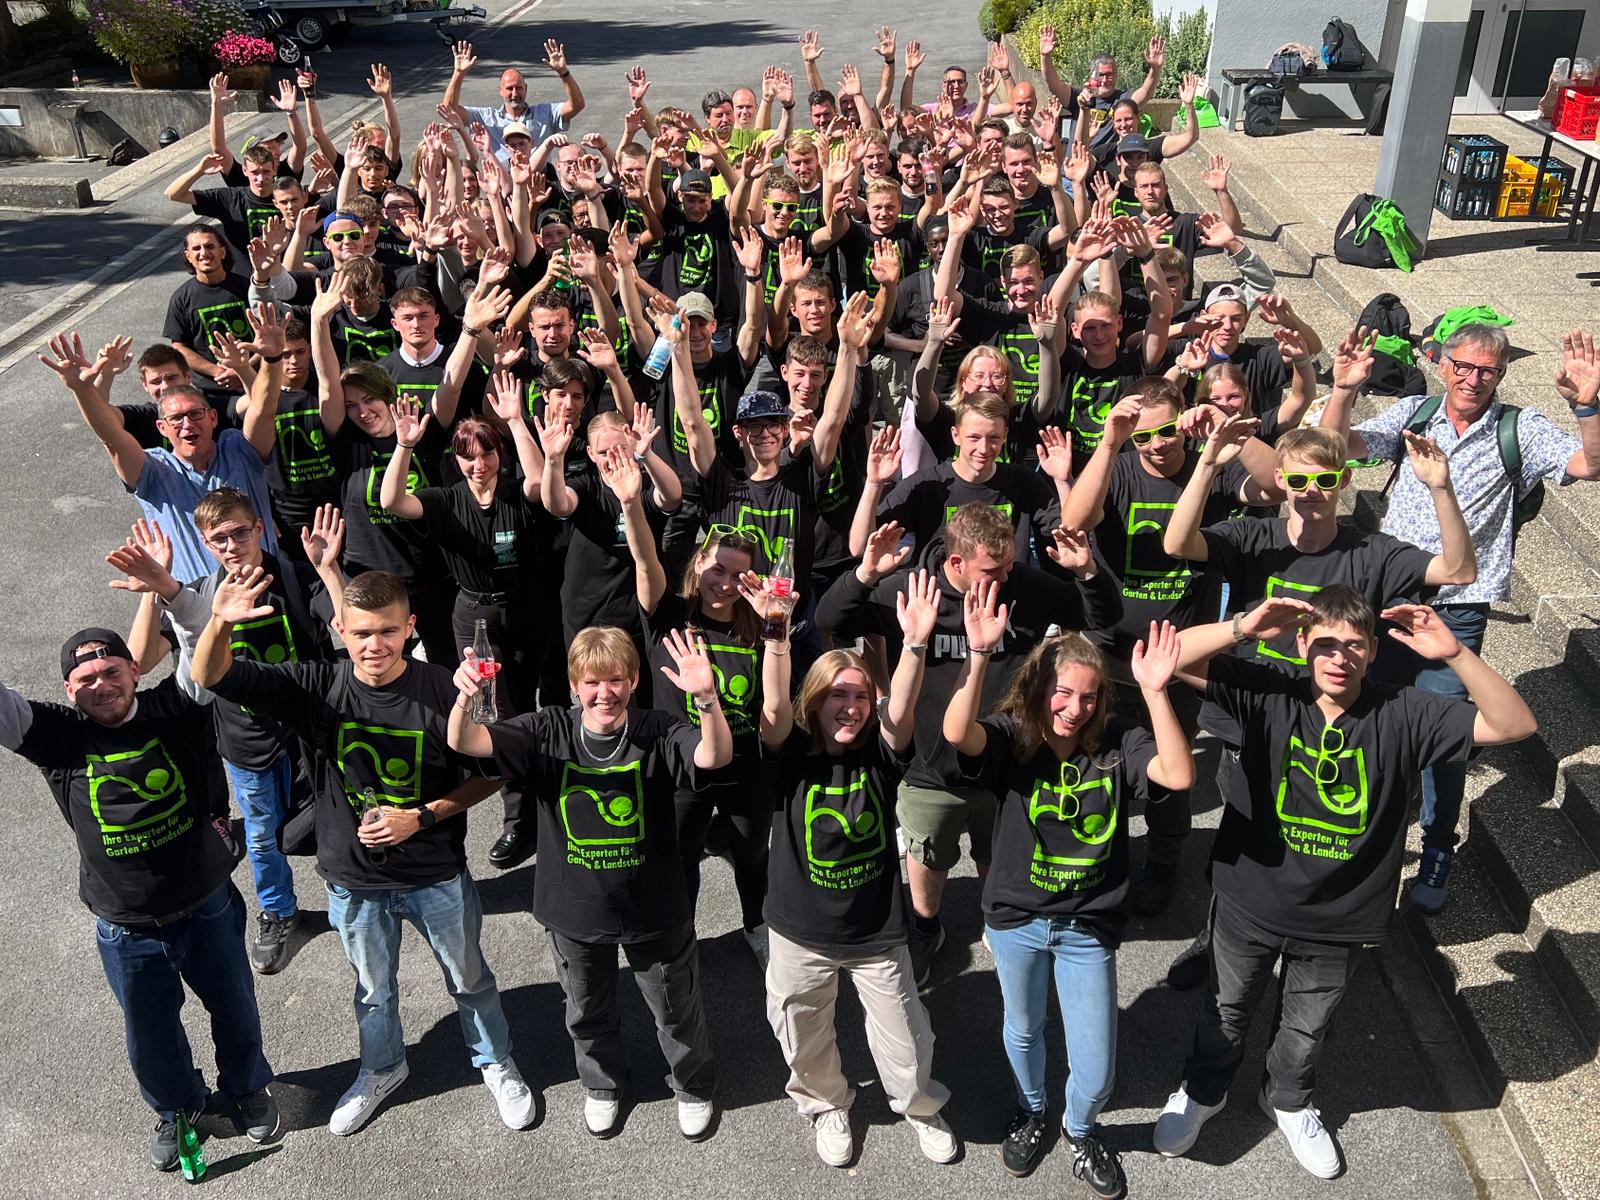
x=986, y=22
x=997, y=17
x=1122, y=28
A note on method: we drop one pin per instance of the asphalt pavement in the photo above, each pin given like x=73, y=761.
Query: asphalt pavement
x=71, y=1122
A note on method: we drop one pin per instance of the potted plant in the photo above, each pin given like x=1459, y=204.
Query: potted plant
x=146, y=35
x=246, y=59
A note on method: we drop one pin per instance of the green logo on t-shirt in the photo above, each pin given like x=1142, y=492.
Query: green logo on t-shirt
x=1073, y=822
x=734, y=667
x=602, y=810
x=368, y=344
x=1295, y=591
x=227, y=317
x=695, y=269
x=302, y=446
x=1090, y=402
x=1148, y=572
x=269, y=640
x=771, y=541
x=845, y=834
x=710, y=409
x=138, y=798
x=1322, y=795
x=416, y=478
x=389, y=761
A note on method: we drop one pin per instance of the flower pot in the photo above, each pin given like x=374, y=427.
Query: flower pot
x=167, y=74
x=254, y=78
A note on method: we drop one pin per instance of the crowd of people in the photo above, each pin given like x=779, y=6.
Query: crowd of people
x=815, y=496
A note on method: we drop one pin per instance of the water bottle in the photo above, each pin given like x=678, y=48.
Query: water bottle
x=376, y=855
x=483, y=710
x=661, y=353
x=191, y=1154
x=780, y=581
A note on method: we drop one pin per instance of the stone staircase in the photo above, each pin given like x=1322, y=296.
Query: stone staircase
x=1515, y=956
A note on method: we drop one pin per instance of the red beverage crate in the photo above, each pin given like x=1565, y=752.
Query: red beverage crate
x=1580, y=115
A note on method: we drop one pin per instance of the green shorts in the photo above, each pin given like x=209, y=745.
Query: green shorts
x=933, y=821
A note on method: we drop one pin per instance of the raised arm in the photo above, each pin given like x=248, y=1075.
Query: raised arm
x=555, y=57
x=855, y=328
x=1155, y=661
x=916, y=608
x=777, y=710
x=622, y=475
x=410, y=422
x=1155, y=56
x=463, y=60
x=1352, y=366
x=89, y=383
x=985, y=619
x=883, y=460
x=330, y=392
x=1059, y=88
x=181, y=189
x=504, y=398
x=260, y=420
x=686, y=399
x=1086, y=503
x=217, y=127
x=691, y=674
x=1277, y=616
x=1456, y=563
x=1503, y=715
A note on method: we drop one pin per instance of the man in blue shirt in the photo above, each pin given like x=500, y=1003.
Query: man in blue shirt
x=540, y=120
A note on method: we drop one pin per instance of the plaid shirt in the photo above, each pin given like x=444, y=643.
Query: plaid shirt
x=1482, y=487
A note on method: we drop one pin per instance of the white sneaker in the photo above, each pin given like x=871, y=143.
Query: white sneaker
x=1312, y=1144
x=511, y=1095
x=694, y=1118
x=935, y=1137
x=835, y=1144
x=600, y=1116
x=356, y=1106
x=1180, y=1122
x=760, y=945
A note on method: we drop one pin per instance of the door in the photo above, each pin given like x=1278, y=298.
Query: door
x=1511, y=44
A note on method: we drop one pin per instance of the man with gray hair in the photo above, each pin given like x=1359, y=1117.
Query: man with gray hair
x=1499, y=457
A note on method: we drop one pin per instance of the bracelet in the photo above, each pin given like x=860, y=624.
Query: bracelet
x=749, y=278
x=471, y=332
x=1588, y=410
x=1142, y=259
x=272, y=358
x=641, y=456
x=888, y=62
x=1240, y=637
x=984, y=653
x=705, y=705
x=913, y=647
x=563, y=74
x=772, y=648
x=463, y=707
x=788, y=105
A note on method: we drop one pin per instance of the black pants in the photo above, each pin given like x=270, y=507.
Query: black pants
x=667, y=970
x=1311, y=984
x=1170, y=821
x=514, y=685
x=432, y=604
x=747, y=806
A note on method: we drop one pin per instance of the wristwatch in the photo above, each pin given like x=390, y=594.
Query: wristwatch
x=1240, y=637
x=426, y=818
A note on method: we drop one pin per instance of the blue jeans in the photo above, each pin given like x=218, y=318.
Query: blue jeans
x=147, y=966
x=1444, y=784
x=1086, y=986
x=450, y=917
x=264, y=800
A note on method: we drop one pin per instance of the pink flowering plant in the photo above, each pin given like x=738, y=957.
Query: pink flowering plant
x=234, y=49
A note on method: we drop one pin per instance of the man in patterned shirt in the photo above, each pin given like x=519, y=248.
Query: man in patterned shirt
x=1466, y=427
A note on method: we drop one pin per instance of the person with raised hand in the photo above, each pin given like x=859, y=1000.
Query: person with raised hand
x=1066, y=776
x=605, y=774
x=1307, y=859
x=834, y=903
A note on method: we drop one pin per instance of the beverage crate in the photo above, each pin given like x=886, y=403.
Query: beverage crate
x=1516, y=199
x=1561, y=99
x=1470, y=200
x=1472, y=158
x=1525, y=170
x=1579, y=114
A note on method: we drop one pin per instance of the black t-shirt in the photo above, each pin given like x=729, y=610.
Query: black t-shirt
x=421, y=383
x=388, y=740
x=1184, y=235
x=773, y=511
x=1255, y=557
x=833, y=879
x=1089, y=392
x=609, y=867
x=199, y=311
x=983, y=250
x=735, y=664
x=923, y=503
x=699, y=258
x=376, y=539
x=301, y=475
x=241, y=213
x=1265, y=373
x=1156, y=586
x=1315, y=852
x=485, y=549
x=598, y=586
x=140, y=799
x=1061, y=827
x=363, y=339
x=856, y=250
x=721, y=380
x=997, y=323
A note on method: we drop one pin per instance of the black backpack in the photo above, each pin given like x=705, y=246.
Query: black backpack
x=1286, y=64
x=1387, y=317
x=1263, y=109
x=1341, y=49
x=1523, y=508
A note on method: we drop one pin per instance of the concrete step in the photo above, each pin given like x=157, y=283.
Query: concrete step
x=1536, y=1066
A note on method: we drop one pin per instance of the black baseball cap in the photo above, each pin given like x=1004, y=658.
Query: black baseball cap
x=755, y=406
x=695, y=181
x=73, y=657
x=1133, y=144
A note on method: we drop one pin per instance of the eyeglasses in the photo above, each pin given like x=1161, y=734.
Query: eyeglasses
x=193, y=416
x=220, y=539
x=348, y=235
x=1143, y=437
x=776, y=206
x=1326, y=481
x=735, y=537
x=1488, y=374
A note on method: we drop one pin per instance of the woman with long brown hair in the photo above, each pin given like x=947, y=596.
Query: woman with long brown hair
x=1056, y=897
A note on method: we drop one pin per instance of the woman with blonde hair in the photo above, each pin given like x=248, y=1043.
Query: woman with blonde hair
x=1056, y=897
x=833, y=902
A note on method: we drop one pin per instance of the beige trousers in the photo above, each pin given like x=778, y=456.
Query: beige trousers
x=802, y=988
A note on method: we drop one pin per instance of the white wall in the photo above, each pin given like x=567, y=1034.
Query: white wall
x=1246, y=32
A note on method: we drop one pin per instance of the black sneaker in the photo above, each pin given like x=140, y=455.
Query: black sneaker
x=258, y=1118
x=1023, y=1148
x=1152, y=888
x=164, y=1143
x=1193, y=967
x=269, y=953
x=924, y=945
x=1097, y=1165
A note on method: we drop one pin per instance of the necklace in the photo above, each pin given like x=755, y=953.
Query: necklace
x=621, y=735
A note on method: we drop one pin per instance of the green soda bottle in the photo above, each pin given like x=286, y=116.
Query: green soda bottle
x=191, y=1154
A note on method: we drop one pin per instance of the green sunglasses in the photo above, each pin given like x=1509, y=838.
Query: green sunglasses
x=1299, y=481
x=1142, y=437
x=345, y=235
x=783, y=207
